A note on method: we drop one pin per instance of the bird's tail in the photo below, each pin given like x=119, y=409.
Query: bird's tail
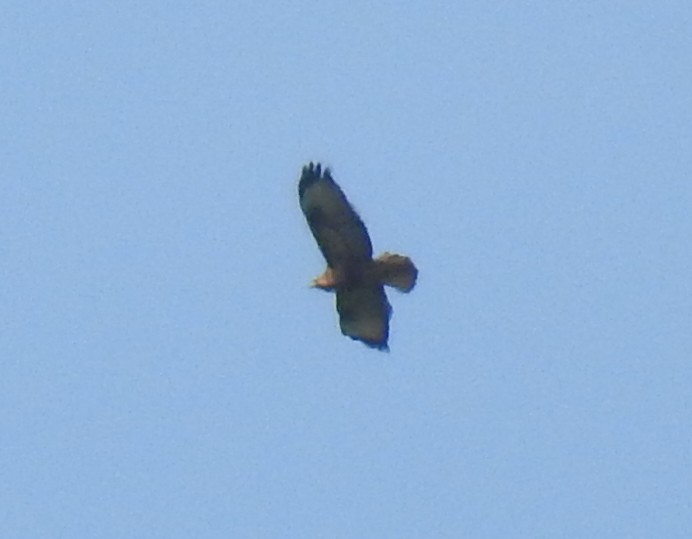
x=396, y=271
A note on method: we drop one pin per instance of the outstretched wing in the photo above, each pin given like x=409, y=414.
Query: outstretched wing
x=340, y=234
x=364, y=314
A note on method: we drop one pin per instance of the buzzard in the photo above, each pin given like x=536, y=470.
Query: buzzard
x=352, y=273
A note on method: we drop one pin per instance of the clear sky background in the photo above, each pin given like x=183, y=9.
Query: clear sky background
x=165, y=372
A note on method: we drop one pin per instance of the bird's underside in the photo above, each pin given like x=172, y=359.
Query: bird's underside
x=357, y=279
x=387, y=269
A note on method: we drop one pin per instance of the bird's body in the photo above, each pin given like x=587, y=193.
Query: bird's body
x=357, y=279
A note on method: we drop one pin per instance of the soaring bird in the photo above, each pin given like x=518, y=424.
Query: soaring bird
x=357, y=279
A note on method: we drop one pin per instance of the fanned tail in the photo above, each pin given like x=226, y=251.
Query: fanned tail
x=396, y=271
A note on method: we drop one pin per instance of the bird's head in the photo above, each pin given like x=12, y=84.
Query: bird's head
x=324, y=281
x=321, y=285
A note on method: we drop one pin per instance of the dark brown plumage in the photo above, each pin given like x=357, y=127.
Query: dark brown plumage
x=351, y=272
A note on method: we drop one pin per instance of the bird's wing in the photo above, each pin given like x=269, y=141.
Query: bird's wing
x=340, y=233
x=364, y=314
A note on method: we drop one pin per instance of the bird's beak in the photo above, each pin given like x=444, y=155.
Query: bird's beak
x=315, y=283
x=312, y=283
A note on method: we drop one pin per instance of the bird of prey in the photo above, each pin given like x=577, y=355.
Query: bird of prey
x=357, y=279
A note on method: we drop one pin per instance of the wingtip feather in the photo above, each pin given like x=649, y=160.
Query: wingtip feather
x=313, y=172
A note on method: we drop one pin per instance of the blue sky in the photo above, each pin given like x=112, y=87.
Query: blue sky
x=165, y=370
